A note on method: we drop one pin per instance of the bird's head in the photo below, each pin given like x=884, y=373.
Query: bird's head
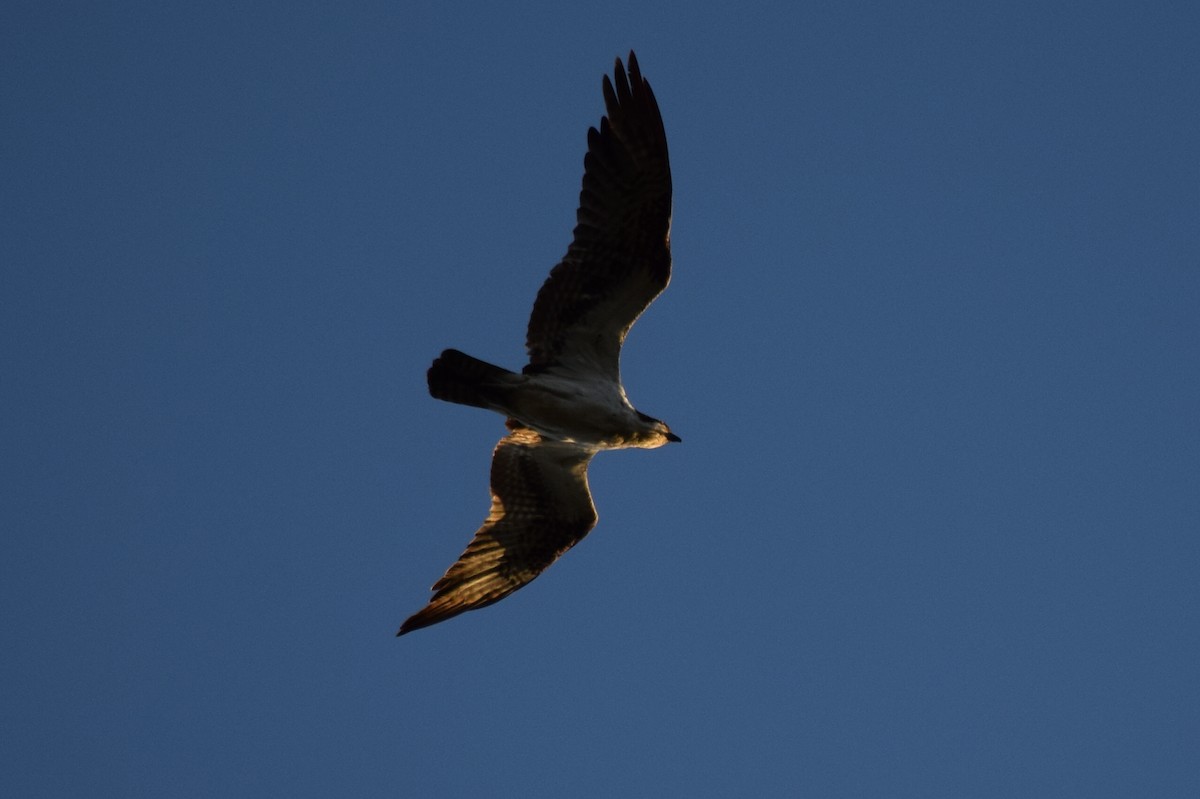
x=655, y=433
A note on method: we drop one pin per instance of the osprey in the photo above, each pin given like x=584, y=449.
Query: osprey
x=568, y=403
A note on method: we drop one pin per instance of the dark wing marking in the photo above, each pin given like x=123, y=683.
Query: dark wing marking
x=620, y=259
x=541, y=507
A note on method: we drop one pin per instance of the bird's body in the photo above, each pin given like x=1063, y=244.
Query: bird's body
x=568, y=403
x=586, y=410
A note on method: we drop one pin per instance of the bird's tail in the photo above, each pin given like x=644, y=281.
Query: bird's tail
x=457, y=377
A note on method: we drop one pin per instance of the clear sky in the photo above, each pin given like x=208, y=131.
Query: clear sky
x=931, y=344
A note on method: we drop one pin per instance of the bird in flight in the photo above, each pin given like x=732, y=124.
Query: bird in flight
x=568, y=403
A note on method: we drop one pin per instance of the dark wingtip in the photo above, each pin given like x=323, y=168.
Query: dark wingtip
x=412, y=623
x=424, y=617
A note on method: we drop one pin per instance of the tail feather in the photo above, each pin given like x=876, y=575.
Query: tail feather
x=457, y=377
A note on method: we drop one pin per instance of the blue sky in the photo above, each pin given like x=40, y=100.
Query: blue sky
x=931, y=345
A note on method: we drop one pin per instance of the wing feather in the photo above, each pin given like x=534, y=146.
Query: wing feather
x=541, y=507
x=620, y=257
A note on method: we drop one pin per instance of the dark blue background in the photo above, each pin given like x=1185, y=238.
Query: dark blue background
x=931, y=345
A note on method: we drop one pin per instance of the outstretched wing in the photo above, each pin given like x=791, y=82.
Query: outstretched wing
x=620, y=259
x=541, y=507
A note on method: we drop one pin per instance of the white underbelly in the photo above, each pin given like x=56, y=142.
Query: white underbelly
x=577, y=413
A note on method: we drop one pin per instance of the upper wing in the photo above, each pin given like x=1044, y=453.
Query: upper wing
x=541, y=507
x=620, y=259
